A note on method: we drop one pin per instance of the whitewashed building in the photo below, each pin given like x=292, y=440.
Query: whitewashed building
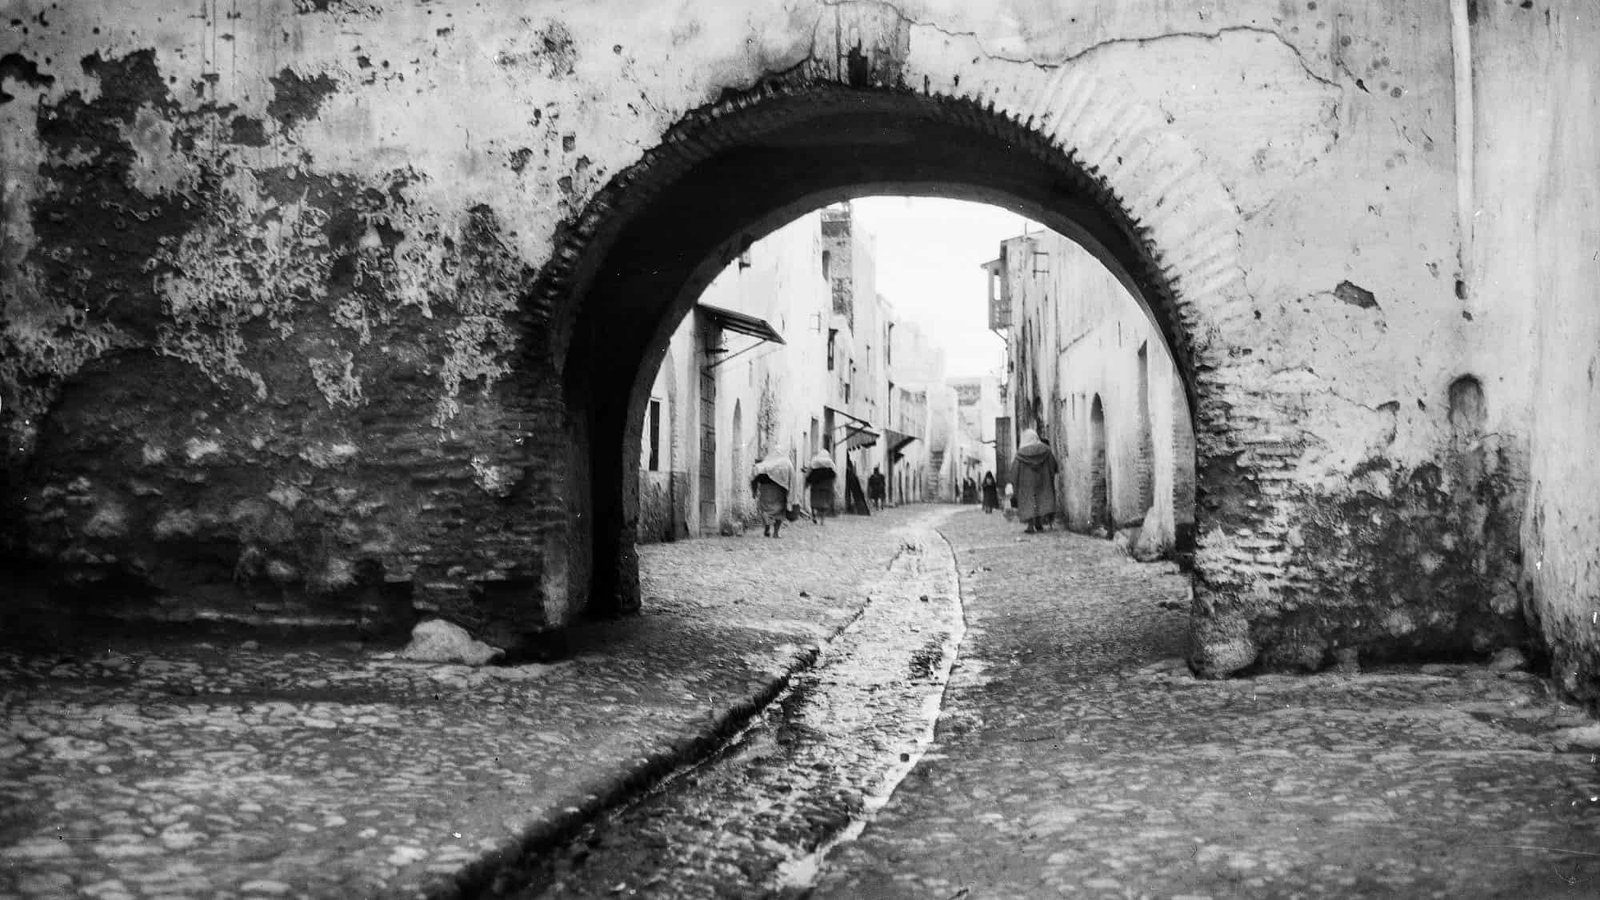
x=790, y=350
x=1090, y=373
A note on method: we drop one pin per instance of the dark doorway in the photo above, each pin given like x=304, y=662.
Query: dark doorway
x=1099, y=472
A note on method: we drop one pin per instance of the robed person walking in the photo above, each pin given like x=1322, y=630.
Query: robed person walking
x=991, y=493
x=1033, y=471
x=772, y=483
x=822, y=478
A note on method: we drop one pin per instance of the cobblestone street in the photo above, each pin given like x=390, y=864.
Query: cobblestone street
x=1077, y=756
x=766, y=808
x=238, y=769
x=1074, y=753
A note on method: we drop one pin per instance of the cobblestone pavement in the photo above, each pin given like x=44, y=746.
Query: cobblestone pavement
x=758, y=814
x=1075, y=756
x=237, y=770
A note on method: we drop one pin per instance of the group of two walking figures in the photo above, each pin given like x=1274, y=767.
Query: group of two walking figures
x=772, y=483
x=1032, y=491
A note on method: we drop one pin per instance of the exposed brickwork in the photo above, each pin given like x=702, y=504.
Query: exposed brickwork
x=311, y=443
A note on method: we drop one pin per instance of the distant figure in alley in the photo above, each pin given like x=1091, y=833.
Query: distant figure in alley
x=991, y=494
x=771, y=486
x=875, y=488
x=822, y=478
x=1034, y=473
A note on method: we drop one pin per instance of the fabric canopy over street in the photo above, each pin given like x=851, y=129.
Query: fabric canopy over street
x=743, y=323
x=857, y=436
x=897, y=442
x=858, y=432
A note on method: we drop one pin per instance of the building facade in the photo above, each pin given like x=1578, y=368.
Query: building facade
x=916, y=373
x=789, y=352
x=973, y=406
x=1088, y=371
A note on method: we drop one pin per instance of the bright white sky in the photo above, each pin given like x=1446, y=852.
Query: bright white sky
x=930, y=253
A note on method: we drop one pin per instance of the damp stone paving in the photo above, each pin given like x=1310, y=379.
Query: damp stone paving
x=242, y=769
x=1076, y=756
x=759, y=816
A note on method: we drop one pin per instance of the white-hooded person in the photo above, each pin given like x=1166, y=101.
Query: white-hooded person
x=771, y=485
x=1033, y=471
x=821, y=479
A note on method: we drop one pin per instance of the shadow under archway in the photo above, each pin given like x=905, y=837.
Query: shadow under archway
x=650, y=243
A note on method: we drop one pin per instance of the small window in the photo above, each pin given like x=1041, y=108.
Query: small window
x=655, y=435
x=831, y=335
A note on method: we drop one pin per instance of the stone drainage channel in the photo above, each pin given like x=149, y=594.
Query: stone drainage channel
x=758, y=816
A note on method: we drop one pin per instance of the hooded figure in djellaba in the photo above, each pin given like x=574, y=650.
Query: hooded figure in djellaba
x=771, y=485
x=821, y=479
x=1033, y=471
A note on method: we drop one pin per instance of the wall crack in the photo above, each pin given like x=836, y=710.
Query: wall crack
x=949, y=33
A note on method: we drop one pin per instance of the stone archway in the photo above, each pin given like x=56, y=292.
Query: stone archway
x=730, y=174
x=552, y=214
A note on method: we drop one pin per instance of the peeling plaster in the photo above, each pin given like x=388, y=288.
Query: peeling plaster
x=1355, y=295
x=296, y=98
x=19, y=68
x=157, y=168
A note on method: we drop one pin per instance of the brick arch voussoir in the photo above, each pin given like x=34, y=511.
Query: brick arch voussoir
x=1183, y=215
x=1134, y=162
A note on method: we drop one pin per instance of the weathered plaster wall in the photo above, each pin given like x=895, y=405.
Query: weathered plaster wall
x=317, y=223
x=259, y=309
x=1535, y=301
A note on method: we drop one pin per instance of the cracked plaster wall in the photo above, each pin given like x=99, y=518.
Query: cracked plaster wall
x=298, y=233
